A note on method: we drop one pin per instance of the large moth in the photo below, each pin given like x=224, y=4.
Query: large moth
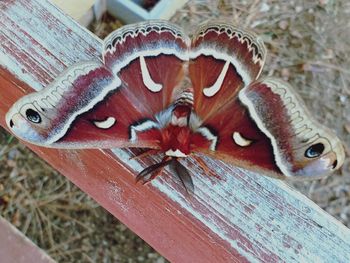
x=159, y=89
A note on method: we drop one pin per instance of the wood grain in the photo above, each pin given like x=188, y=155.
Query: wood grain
x=16, y=248
x=242, y=217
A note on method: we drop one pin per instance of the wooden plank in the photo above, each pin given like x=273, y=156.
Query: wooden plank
x=243, y=217
x=16, y=248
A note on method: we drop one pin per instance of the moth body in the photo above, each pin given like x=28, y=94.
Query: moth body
x=176, y=136
x=179, y=127
x=159, y=89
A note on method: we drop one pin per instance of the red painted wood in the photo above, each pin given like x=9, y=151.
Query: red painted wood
x=241, y=217
x=16, y=248
x=112, y=184
x=147, y=212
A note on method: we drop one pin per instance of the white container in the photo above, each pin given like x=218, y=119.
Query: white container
x=130, y=11
x=83, y=11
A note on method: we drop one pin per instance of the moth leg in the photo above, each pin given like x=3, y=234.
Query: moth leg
x=205, y=167
x=184, y=176
x=151, y=172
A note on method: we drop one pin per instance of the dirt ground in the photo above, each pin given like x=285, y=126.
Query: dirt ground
x=308, y=44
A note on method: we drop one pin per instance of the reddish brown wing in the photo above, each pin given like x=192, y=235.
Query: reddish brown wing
x=149, y=59
x=239, y=141
x=223, y=60
x=95, y=104
x=107, y=123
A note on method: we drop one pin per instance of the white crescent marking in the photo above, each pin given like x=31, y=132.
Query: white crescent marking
x=146, y=77
x=176, y=153
x=211, y=91
x=106, y=124
x=240, y=140
x=241, y=69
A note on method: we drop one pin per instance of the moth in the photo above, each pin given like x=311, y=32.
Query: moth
x=159, y=89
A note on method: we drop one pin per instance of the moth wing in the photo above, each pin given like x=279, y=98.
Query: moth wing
x=233, y=136
x=74, y=111
x=223, y=60
x=149, y=58
x=303, y=148
x=275, y=133
x=109, y=104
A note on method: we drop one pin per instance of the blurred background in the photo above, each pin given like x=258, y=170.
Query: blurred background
x=308, y=45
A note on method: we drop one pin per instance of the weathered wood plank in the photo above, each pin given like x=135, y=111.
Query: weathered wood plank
x=243, y=217
x=16, y=248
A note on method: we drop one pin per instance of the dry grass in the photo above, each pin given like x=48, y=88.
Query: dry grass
x=308, y=43
x=59, y=217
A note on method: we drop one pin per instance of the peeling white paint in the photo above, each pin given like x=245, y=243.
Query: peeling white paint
x=288, y=221
x=115, y=193
x=271, y=215
x=52, y=63
x=10, y=65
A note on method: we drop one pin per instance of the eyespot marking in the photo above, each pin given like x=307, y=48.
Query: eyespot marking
x=314, y=150
x=105, y=124
x=33, y=116
x=240, y=140
x=146, y=77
